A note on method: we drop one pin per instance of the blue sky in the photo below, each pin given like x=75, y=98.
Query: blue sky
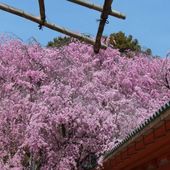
x=147, y=20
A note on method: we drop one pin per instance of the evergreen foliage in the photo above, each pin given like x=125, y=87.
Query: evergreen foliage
x=59, y=42
x=126, y=43
x=119, y=40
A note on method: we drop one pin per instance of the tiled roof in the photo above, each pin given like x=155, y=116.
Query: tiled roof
x=157, y=115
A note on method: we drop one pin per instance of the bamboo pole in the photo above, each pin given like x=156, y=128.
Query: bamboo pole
x=42, y=10
x=98, y=8
x=54, y=27
x=103, y=19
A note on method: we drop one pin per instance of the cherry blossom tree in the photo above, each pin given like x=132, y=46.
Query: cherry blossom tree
x=62, y=109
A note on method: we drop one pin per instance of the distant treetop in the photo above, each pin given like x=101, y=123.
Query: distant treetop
x=59, y=42
x=126, y=43
x=116, y=40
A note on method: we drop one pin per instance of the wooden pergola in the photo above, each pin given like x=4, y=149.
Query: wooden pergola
x=41, y=20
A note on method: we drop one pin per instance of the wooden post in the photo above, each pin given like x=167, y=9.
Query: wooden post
x=98, y=8
x=42, y=10
x=54, y=27
x=103, y=19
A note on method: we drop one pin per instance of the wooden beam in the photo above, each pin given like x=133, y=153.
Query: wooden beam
x=42, y=10
x=98, y=8
x=52, y=26
x=103, y=19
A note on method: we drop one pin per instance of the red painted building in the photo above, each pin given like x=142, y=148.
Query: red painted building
x=146, y=148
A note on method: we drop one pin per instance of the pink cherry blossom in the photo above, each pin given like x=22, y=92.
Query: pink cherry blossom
x=62, y=109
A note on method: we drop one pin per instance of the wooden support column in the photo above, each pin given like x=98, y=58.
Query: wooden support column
x=42, y=10
x=103, y=19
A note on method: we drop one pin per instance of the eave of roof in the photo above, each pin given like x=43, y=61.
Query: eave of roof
x=155, y=119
